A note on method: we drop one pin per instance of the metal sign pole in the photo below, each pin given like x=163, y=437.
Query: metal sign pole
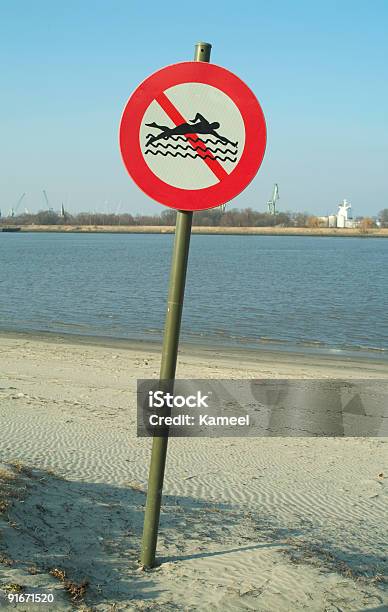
x=168, y=363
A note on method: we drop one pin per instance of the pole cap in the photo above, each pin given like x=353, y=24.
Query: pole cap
x=202, y=52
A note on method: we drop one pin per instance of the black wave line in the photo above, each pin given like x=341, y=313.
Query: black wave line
x=178, y=154
x=194, y=139
x=204, y=140
x=189, y=146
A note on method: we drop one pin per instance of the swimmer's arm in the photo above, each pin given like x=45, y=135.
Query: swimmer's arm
x=222, y=138
x=198, y=117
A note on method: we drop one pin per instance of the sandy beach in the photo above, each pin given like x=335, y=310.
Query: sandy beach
x=266, y=524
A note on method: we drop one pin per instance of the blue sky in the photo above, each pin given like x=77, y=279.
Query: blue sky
x=319, y=70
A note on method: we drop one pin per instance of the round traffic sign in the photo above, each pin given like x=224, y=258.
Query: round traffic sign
x=192, y=136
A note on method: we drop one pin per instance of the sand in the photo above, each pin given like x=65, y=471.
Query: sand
x=266, y=524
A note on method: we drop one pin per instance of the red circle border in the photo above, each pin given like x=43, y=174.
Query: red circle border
x=255, y=136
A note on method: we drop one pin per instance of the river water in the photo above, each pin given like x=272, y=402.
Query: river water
x=295, y=293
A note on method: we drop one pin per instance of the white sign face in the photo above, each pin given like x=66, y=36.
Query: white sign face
x=206, y=125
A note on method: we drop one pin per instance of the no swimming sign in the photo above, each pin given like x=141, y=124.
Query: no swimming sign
x=192, y=136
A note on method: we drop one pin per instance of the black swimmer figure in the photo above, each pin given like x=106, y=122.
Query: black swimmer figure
x=199, y=125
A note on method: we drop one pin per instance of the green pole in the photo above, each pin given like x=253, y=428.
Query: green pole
x=168, y=364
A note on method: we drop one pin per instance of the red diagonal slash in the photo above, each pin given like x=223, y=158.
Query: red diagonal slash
x=175, y=116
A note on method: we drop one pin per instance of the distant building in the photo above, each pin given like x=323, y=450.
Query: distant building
x=344, y=217
x=323, y=221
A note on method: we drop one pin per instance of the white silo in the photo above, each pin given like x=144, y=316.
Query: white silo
x=342, y=214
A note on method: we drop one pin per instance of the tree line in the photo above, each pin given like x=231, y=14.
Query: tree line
x=215, y=217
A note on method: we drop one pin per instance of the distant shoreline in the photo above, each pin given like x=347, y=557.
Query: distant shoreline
x=169, y=229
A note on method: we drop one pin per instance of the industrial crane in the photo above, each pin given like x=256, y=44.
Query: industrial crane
x=46, y=199
x=272, y=202
x=13, y=210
